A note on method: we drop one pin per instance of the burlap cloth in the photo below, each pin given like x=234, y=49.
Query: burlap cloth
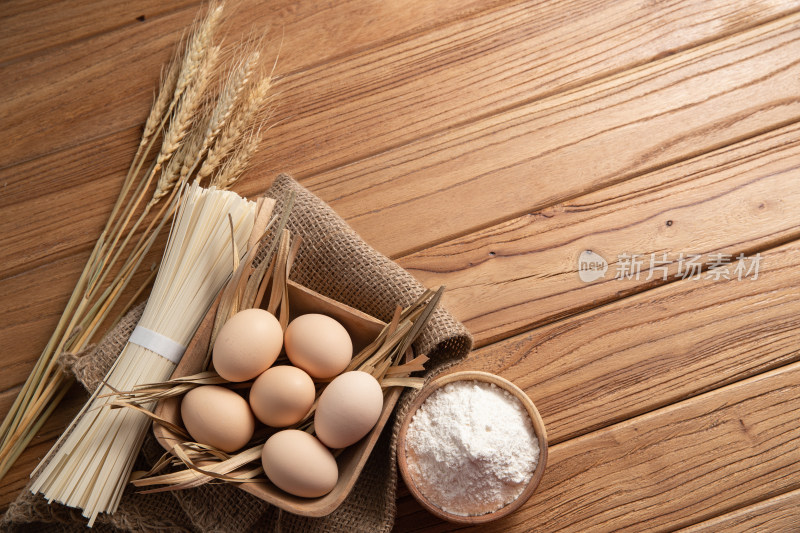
x=333, y=261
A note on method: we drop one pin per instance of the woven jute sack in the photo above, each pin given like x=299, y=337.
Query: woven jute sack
x=334, y=261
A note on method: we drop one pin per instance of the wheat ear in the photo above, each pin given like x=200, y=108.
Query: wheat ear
x=197, y=48
x=176, y=171
x=182, y=121
x=231, y=93
x=162, y=101
x=233, y=168
x=244, y=117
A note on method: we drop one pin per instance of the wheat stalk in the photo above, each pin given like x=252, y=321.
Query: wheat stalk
x=197, y=49
x=230, y=97
x=173, y=119
x=233, y=168
x=244, y=117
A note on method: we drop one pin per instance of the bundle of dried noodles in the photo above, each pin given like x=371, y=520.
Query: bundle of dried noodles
x=90, y=465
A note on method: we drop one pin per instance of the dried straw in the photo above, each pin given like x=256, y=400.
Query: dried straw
x=381, y=359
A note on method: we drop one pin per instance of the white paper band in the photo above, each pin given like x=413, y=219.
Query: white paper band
x=158, y=343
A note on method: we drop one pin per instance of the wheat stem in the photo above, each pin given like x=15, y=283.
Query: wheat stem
x=38, y=405
x=133, y=299
x=106, y=262
x=13, y=453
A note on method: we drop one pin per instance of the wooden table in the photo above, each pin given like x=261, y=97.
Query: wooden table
x=489, y=145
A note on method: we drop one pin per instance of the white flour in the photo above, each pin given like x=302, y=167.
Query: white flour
x=471, y=448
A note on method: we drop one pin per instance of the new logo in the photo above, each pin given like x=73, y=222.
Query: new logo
x=591, y=266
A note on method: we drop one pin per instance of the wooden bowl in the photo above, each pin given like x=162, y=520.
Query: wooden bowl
x=538, y=427
x=363, y=329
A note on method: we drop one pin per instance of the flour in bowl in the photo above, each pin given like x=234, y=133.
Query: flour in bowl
x=471, y=448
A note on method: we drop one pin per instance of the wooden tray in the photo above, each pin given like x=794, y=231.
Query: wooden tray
x=363, y=329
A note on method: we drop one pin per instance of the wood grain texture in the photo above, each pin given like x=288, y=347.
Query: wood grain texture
x=347, y=110
x=532, y=130
x=89, y=89
x=669, y=468
x=29, y=27
x=523, y=273
x=578, y=141
x=365, y=102
x=774, y=515
x=52, y=234
x=641, y=354
x=646, y=351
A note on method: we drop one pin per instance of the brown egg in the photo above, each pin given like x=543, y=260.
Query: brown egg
x=218, y=417
x=282, y=396
x=247, y=344
x=299, y=464
x=348, y=409
x=319, y=345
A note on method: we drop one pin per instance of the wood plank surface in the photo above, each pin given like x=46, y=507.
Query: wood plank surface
x=485, y=145
x=646, y=351
x=523, y=273
x=669, y=468
x=775, y=515
x=30, y=27
x=99, y=86
x=53, y=232
x=578, y=141
x=480, y=65
x=639, y=355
